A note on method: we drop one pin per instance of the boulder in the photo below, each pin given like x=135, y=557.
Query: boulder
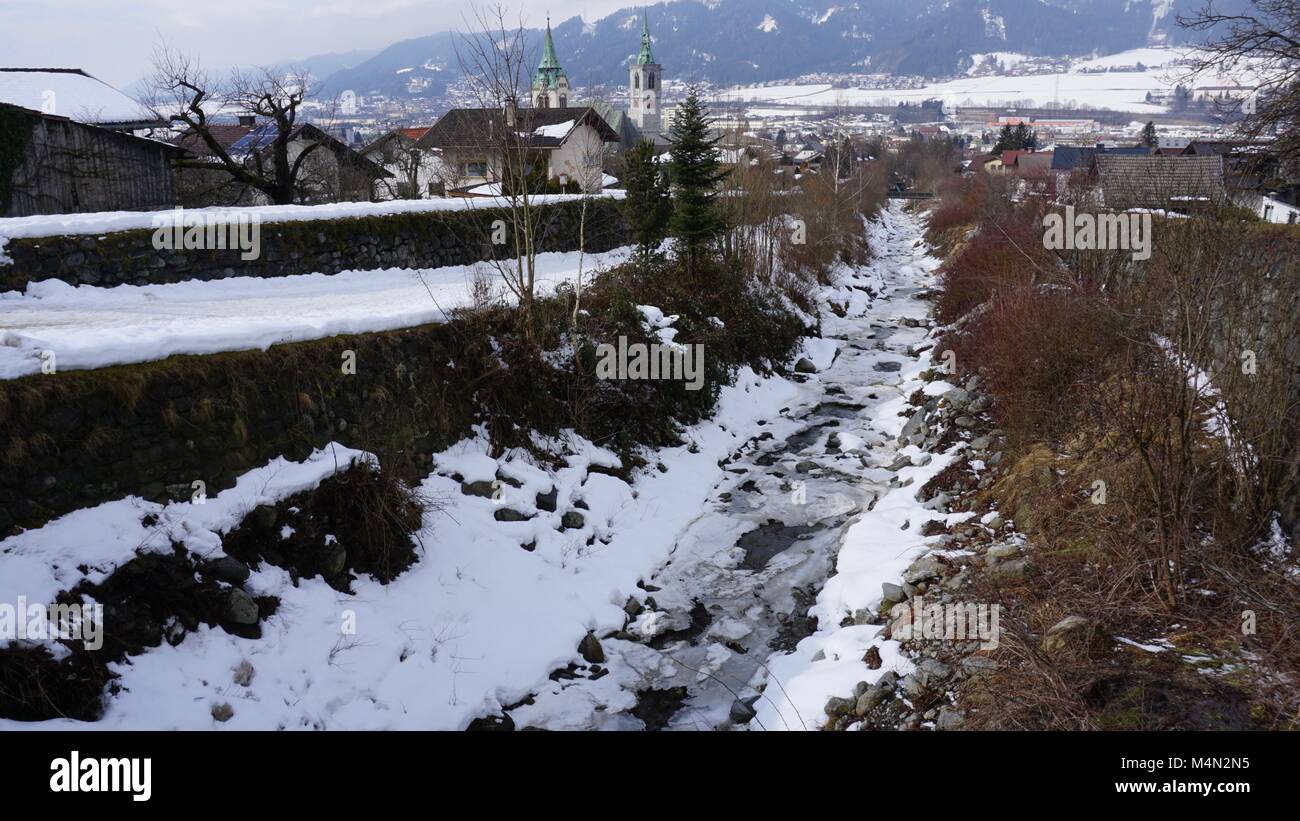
x=1071, y=630
x=229, y=569
x=874, y=696
x=482, y=488
x=950, y=719
x=926, y=567
x=590, y=650
x=240, y=607
x=546, y=501
x=836, y=706
x=893, y=593
x=1015, y=570
x=572, y=520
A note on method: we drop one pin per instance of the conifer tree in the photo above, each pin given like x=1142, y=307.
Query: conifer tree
x=648, y=204
x=1149, y=137
x=695, y=173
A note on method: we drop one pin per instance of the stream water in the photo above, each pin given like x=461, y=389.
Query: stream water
x=742, y=577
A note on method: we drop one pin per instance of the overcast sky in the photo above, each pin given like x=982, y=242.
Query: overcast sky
x=113, y=39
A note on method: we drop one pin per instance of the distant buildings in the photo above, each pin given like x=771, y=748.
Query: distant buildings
x=565, y=145
x=331, y=172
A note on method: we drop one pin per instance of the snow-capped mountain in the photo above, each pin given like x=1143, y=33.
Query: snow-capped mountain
x=747, y=41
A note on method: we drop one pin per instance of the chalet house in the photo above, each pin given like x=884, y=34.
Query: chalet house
x=67, y=167
x=333, y=172
x=564, y=145
x=1172, y=183
x=416, y=173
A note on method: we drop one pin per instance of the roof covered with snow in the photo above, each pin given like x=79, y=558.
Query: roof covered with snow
x=72, y=93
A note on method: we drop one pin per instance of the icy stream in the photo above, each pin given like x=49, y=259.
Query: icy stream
x=741, y=579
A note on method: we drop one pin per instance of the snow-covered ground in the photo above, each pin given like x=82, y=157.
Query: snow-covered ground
x=103, y=222
x=784, y=489
x=1120, y=91
x=90, y=327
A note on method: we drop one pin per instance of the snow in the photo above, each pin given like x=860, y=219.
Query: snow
x=88, y=544
x=1008, y=59
x=1120, y=91
x=768, y=25
x=90, y=327
x=477, y=622
x=102, y=222
x=557, y=131
x=73, y=95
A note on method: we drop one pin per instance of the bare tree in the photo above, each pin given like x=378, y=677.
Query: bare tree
x=590, y=178
x=493, y=58
x=1262, y=39
x=191, y=97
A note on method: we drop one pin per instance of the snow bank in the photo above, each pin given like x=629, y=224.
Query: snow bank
x=88, y=327
x=103, y=222
x=479, y=621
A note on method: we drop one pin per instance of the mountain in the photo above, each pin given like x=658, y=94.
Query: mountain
x=748, y=41
x=323, y=65
x=319, y=66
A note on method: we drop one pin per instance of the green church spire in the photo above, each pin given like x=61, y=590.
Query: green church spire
x=550, y=62
x=646, y=55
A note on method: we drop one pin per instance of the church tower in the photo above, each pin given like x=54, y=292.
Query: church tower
x=644, y=87
x=550, y=83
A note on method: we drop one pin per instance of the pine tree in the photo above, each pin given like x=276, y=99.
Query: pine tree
x=1149, y=137
x=1005, y=140
x=1023, y=139
x=695, y=173
x=648, y=204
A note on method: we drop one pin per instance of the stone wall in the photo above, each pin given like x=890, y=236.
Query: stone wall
x=75, y=439
x=412, y=240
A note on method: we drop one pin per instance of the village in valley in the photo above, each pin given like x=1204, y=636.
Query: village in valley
x=586, y=382
x=365, y=151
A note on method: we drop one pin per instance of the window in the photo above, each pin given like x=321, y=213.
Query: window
x=477, y=168
x=650, y=82
x=1291, y=218
x=636, y=81
x=564, y=101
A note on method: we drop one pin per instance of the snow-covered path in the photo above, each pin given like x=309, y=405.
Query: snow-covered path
x=88, y=327
x=724, y=623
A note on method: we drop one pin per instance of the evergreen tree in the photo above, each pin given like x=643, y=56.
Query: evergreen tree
x=648, y=204
x=1149, y=137
x=1023, y=139
x=1005, y=140
x=695, y=173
